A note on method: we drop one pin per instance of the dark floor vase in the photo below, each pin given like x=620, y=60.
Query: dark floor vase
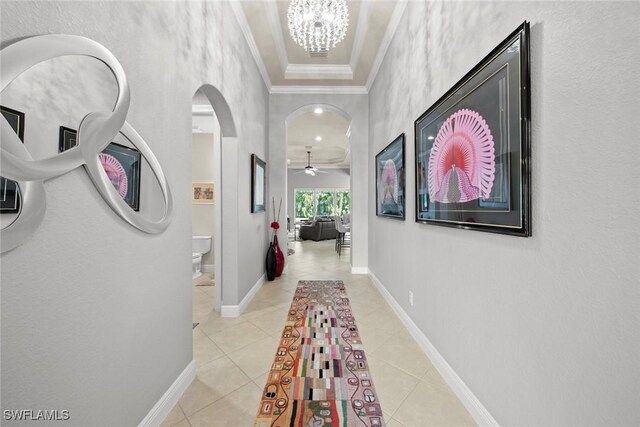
x=271, y=263
x=279, y=257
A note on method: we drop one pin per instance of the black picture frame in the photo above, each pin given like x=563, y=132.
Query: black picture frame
x=390, y=180
x=473, y=146
x=10, y=197
x=66, y=139
x=258, y=184
x=119, y=162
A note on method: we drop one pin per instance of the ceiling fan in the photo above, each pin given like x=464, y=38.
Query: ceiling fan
x=310, y=170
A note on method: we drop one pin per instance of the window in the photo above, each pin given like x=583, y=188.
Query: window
x=322, y=202
x=326, y=205
x=343, y=202
x=304, y=203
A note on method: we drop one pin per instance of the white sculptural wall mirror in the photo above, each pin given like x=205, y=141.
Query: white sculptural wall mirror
x=61, y=84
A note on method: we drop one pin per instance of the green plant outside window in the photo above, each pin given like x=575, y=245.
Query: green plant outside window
x=310, y=203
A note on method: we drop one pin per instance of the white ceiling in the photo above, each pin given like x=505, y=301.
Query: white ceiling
x=349, y=68
x=331, y=152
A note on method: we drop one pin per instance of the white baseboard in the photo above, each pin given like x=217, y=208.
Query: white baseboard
x=208, y=268
x=466, y=396
x=359, y=270
x=237, y=310
x=169, y=399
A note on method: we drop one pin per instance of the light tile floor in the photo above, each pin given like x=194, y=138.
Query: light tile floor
x=233, y=355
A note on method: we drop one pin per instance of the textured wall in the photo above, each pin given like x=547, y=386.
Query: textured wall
x=334, y=178
x=281, y=107
x=96, y=316
x=543, y=330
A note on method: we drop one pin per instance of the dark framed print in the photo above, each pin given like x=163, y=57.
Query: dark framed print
x=258, y=184
x=10, y=198
x=122, y=165
x=66, y=139
x=390, y=180
x=472, y=147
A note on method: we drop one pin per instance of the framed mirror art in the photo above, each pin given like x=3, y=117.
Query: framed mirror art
x=473, y=146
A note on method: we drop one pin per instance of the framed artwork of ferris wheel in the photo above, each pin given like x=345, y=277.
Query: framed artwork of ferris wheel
x=472, y=147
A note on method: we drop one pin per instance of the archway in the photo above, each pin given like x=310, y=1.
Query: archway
x=318, y=134
x=353, y=106
x=212, y=118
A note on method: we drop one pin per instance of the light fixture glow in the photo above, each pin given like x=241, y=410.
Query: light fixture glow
x=318, y=138
x=430, y=137
x=318, y=25
x=318, y=110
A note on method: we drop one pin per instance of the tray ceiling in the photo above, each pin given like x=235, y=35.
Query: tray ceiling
x=332, y=151
x=349, y=67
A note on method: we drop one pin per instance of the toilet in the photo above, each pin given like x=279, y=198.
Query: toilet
x=200, y=245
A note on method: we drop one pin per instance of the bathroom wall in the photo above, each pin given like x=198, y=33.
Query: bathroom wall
x=96, y=315
x=334, y=178
x=203, y=215
x=544, y=330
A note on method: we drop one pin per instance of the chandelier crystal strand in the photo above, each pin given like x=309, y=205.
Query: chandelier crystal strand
x=318, y=25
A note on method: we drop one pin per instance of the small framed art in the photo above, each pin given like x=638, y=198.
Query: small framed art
x=202, y=193
x=66, y=139
x=258, y=184
x=390, y=180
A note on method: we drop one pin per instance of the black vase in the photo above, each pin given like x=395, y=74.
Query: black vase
x=271, y=263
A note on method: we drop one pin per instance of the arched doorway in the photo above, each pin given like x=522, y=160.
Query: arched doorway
x=283, y=107
x=212, y=123
x=319, y=164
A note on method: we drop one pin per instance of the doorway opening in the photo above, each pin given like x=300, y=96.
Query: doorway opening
x=319, y=184
x=212, y=123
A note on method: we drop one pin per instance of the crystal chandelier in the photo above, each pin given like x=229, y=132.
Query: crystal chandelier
x=318, y=25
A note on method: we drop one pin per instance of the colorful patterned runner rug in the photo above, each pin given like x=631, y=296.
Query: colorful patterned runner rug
x=320, y=376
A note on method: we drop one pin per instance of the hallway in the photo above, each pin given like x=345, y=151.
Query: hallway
x=233, y=355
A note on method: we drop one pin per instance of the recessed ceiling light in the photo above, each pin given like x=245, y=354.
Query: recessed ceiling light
x=429, y=137
x=318, y=110
x=318, y=138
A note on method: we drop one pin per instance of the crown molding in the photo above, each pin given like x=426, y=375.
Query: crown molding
x=319, y=72
x=386, y=41
x=361, y=31
x=248, y=36
x=338, y=90
x=273, y=16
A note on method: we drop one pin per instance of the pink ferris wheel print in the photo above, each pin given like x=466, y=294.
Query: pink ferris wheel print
x=462, y=162
x=116, y=173
x=389, y=182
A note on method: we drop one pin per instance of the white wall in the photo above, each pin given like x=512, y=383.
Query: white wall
x=202, y=216
x=334, y=178
x=543, y=330
x=96, y=315
x=281, y=108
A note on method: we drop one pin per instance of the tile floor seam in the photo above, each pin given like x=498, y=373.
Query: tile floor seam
x=183, y=413
x=393, y=419
x=258, y=326
x=419, y=378
x=405, y=398
x=222, y=397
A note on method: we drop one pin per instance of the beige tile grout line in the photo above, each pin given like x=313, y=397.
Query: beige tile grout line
x=219, y=399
